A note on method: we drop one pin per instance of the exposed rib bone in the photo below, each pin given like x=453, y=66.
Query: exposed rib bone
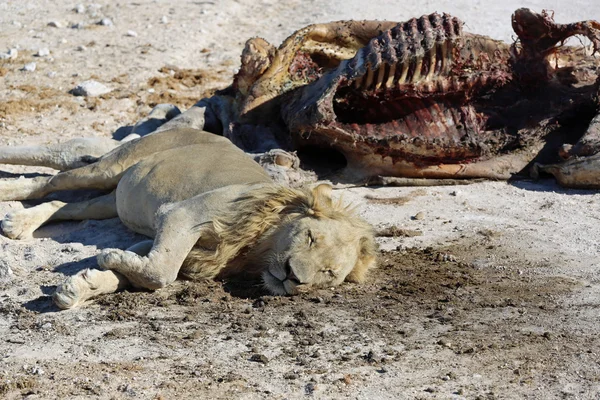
x=391, y=76
x=381, y=75
x=431, y=56
x=403, y=73
x=417, y=73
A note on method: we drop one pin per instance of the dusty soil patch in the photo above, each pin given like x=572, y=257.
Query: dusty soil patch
x=473, y=317
x=184, y=87
x=31, y=99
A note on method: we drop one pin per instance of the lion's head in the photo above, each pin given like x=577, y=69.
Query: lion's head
x=295, y=238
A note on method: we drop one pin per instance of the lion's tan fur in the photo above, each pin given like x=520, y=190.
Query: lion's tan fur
x=240, y=232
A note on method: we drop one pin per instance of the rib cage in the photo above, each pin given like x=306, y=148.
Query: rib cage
x=409, y=87
x=415, y=51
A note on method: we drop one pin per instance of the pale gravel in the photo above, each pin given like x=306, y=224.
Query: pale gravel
x=556, y=230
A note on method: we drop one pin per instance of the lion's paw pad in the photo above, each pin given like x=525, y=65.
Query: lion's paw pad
x=73, y=291
x=19, y=225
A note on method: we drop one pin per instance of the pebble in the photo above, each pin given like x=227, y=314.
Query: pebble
x=291, y=376
x=260, y=358
x=55, y=24
x=29, y=67
x=51, y=74
x=132, y=33
x=10, y=55
x=419, y=216
x=106, y=22
x=81, y=48
x=164, y=20
x=79, y=9
x=17, y=24
x=79, y=25
x=43, y=52
x=90, y=88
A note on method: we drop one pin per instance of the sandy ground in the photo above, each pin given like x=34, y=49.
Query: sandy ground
x=486, y=291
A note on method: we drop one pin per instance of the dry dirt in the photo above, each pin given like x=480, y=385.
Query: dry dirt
x=490, y=290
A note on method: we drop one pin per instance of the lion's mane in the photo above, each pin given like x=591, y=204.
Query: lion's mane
x=228, y=245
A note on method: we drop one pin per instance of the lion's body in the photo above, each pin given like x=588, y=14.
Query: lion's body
x=212, y=212
x=183, y=173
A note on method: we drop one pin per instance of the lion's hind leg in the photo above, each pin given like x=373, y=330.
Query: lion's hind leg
x=87, y=284
x=21, y=224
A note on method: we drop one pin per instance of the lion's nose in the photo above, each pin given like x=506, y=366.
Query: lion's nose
x=289, y=273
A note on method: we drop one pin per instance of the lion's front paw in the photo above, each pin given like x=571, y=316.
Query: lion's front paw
x=75, y=290
x=19, y=225
x=120, y=260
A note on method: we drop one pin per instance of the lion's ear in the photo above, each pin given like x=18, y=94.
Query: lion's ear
x=367, y=259
x=322, y=196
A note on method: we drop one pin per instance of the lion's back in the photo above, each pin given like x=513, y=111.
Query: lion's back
x=178, y=174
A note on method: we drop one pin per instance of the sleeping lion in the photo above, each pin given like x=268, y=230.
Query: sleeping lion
x=213, y=212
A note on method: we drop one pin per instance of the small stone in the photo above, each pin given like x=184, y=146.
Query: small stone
x=81, y=48
x=51, y=74
x=164, y=20
x=261, y=358
x=43, y=52
x=79, y=9
x=131, y=33
x=90, y=88
x=55, y=24
x=10, y=55
x=310, y=388
x=547, y=335
x=29, y=67
x=17, y=24
x=37, y=371
x=79, y=25
x=47, y=326
x=106, y=22
x=419, y=216
x=454, y=193
x=291, y=376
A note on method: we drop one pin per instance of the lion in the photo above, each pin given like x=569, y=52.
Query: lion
x=213, y=213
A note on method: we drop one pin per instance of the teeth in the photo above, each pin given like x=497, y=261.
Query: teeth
x=369, y=81
x=403, y=73
x=380, y=75
x=391, y=75
x=417, y=74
